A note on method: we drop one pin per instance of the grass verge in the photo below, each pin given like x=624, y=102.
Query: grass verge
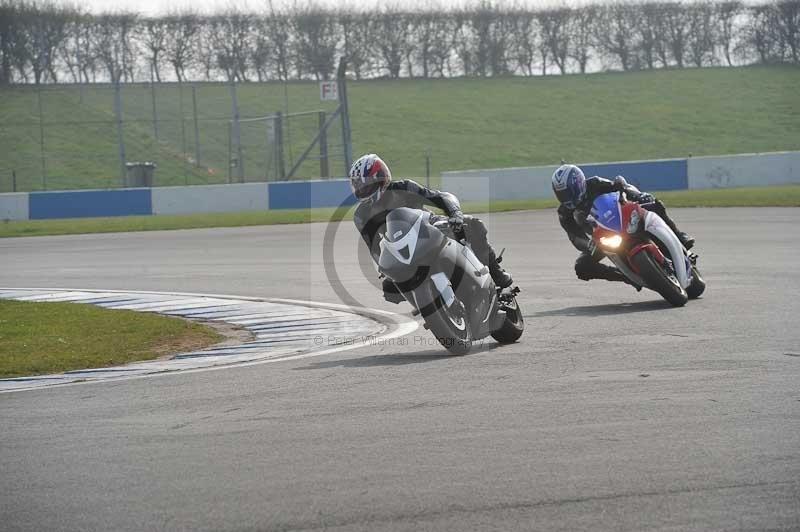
x=772, y=196
x=42, y=338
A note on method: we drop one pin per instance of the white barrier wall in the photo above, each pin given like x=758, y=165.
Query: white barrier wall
x=500, y=183
x=14, y=206
x=210, y=198
x=751, y=169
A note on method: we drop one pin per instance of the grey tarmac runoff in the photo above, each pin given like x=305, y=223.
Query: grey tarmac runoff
x=614, y=412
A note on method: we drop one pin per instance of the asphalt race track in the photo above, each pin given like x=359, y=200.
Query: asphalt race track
x=615, y=412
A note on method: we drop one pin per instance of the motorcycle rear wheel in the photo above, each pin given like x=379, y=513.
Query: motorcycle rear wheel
x=659, y=280
x=513, y=324
x=697, y=286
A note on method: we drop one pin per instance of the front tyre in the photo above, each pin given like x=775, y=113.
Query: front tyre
x=513, y=324
x=659, y=280
x=450, y=325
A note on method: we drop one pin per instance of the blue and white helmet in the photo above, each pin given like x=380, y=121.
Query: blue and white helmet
x=569, y=185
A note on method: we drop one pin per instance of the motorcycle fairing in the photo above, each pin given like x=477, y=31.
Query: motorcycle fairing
x=606, y=211
x=656, y=226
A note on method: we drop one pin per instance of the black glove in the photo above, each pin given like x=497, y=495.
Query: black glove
x=644, y=197
x=456, y=222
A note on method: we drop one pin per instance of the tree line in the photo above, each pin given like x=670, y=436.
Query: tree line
x=41, y=42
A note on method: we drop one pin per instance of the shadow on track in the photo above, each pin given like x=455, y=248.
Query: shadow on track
x=419, y=357
x=605, y=310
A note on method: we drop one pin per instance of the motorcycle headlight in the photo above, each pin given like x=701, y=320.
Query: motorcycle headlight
x=611, y=242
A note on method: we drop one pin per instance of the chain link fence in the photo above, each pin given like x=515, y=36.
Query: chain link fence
x=81, y=136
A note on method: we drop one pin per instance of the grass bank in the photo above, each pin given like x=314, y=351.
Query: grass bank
x=43, y=338
x=463, y=123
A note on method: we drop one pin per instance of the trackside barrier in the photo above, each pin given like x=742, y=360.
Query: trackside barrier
x=752, y=169
x=175, y=200
x=211, y=198
x=494, y=184
x=534, y=182
x=14, y=206
x=89, y=203
x=309, y=194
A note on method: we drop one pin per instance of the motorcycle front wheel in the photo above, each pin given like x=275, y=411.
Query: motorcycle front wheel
x=450, y=325
x=659, y=280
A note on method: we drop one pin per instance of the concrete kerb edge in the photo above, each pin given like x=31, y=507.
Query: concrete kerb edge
x=396, y=325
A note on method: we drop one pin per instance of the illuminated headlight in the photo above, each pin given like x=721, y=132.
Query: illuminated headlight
x=612, y=242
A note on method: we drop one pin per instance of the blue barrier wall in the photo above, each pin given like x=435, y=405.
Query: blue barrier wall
x=89, y=203
x=309, y=194
x=646, y=175
x=534, y=182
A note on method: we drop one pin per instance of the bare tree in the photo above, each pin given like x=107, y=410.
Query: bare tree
x=390, y=40
x=106, y=45
x=278, y=31
x=582, y=31
x=231, y=36
x=11, y=39
x=762, y=37
x=461, y=41
x=261, y=53
x=788, y=22
x=726, y=13
x=650, y=34
x=424, y=32
x=615, y=36
x=316, y=40
x=700, y=39
x=441, y=49
x=676, y=24
x=181, y=42
x=555, y=31
x=69, y=50
x=154, y=38
x=525, y=33
x=356, y=29
x=206, y=53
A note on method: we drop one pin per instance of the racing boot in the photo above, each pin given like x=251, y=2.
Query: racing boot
x=610, y=273
x=501, y=278
x=686, y=240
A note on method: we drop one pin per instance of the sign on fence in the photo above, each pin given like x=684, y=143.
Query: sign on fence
x=328, y=90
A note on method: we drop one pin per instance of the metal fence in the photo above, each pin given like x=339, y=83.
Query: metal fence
x=60, y=137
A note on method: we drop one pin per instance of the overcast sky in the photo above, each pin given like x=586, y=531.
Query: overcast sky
x=152, y=7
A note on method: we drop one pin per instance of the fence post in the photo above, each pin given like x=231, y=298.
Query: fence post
x=183, y=133
x=229, y=152
x=196, y=129
x=279, y=146
x=13, y=180
x=237, y=133
x=41, y=137
x=118, y=116
x=428, y=168
x=155, y=112
x=342, y=86
x=323, y=146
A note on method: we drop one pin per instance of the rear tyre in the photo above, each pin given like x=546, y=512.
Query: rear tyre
x=659, y=280
x=513, y=325
x=697, y=286
x=450, y=325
